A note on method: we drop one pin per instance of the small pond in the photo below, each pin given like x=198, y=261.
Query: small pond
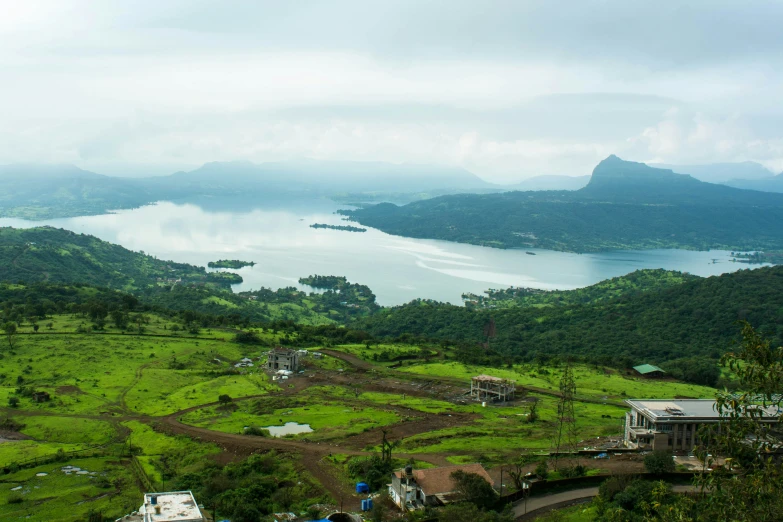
x=289, y=428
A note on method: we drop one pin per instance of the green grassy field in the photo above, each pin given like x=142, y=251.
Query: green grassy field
x=107, y=389
x=108, y=487
x=591, y=382
x=329, y=419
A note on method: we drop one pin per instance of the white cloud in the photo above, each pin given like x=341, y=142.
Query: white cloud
x=508, y=92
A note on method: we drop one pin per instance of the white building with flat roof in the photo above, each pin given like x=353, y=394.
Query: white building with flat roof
x=672, y=424
x=172, y=506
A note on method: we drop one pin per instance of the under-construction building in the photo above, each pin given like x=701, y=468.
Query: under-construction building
x=488, y=388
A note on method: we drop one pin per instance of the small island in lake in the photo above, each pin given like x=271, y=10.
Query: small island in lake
x=344, y=228
x=229, y=263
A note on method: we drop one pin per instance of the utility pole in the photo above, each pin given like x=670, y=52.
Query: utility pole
x=565, y=437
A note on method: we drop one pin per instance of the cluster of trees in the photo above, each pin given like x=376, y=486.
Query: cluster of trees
x=344, y=228
x=245, y=491
x=230, y=263
x=697, y=318
x=635, y=282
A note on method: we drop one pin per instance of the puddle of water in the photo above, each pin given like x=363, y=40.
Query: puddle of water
x=289, y=428
x=41, y=474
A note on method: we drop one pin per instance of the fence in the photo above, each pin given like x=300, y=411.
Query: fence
x=138, y=470
x=543, y=487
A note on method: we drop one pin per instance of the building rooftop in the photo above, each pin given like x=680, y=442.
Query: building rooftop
x=175, y=506
x=488, y=378
x=436, y=481
x=674, y=409
x=647, y=368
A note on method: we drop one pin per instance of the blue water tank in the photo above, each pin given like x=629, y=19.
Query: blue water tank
x=367, y=504
x=362, y=487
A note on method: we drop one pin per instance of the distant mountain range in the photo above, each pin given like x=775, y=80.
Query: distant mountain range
x=48, y=191
x=773, y=184
x=625, y=205
x=550, y=183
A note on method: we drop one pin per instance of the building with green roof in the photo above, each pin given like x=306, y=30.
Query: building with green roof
x=648, y=370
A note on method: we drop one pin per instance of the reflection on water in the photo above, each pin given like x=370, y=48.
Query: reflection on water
x=289, y=428
x=277, y=236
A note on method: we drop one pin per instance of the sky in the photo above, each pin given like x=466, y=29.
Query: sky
x=505, y=89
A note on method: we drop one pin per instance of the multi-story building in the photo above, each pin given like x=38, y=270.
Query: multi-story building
x=671, y=424
x=282, y=359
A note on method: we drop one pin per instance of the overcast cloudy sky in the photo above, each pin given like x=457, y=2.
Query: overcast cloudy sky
x=507, y=89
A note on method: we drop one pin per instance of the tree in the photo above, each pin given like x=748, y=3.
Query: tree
x=542, y=470
x=13, y=401
x=748, y=486
x=473, y=488
x=659, y=462
x=10, y=332
x=120, y=318
x=35, y=327
x=224, y=399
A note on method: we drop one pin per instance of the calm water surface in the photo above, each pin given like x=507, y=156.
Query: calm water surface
x=277, y=236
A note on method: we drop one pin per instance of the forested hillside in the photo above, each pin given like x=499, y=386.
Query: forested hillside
x=48, y=191
x=52, y=255
x=625, y=206
x=638, y=281
x=56, y=255
x=696, y=318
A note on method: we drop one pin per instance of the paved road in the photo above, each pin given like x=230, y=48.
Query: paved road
x=534, y=503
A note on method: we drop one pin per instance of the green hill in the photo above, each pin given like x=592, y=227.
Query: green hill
x=49, y=255
x=49, y=191
x=626, y=205
x=694, y=319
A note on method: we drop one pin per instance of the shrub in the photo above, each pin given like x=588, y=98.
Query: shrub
x=542, y=470
x=256, y=431
x=659, y=462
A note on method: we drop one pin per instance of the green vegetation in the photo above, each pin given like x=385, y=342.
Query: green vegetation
x=635, y=282
x=625, y=206
x=344, y=228
x=47, y=255
x=230, y=263
x=53, y=255
x=638, y=327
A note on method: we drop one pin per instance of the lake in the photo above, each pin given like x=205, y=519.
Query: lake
x=276, y=234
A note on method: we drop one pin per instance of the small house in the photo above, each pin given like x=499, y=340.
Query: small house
x=41, y=396
x=416, y=488
x=648, y=370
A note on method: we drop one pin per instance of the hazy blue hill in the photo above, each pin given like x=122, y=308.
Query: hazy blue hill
x=626, y=205
x=720, y=172
x=773, y=184
x=320, y=176
x=626, y=181
x=550, y=183
x=47, y=191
